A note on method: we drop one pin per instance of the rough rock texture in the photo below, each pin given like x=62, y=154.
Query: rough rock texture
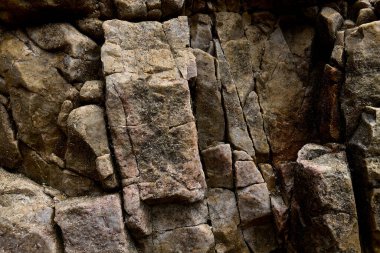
x=186, y=126
x=26, y=216
x=93, y=225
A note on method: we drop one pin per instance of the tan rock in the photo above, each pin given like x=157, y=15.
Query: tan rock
x=92, y=92
x=200, y=31
x=26, y=216
x=269, y=176
x=197, y=239
x=131, y=9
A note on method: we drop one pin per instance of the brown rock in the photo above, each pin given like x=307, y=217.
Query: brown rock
x=26, y=216
x=200, y=32
x=218, y=166
x=241, y=156
x=131, y=9
x=269, y=176
x=366, y=15
x=83, y=230
x=329, y=22
x=229, y=26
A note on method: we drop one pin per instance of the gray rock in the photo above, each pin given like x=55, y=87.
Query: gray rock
x=329, y=22
x=366, y=15
x=131, y=9
x=254, y=203
x=93, y=224
x=201, y=33
x=324, y=200
x=92, y=92
x=261, y=238
x=361, y=71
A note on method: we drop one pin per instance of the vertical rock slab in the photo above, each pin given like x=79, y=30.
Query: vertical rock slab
x=365, y=153
x=93, y=225
x=361, y=87
x=284, y=90
x=9, y=153
x=208, y=102
x=26, y=216
x=145, y=82
x=225, y=221
x=323, y=209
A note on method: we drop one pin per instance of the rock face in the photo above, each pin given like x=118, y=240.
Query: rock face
x=151, y=126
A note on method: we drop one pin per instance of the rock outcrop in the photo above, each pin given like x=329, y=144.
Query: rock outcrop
x=207, y=126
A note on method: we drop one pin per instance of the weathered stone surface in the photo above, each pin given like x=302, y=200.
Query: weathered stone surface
x=92, y=92
x=366, y=15
x=157, y=111
x=138, y=217
x=229, y=26
x=26, y=216
x=364, y=149
x=225, y=221
x=92, y=27
x=284, y=89
x=254, y=203
x=78, y=59
x=218, y=166
x=323, y=212
x=197, y=239
x=10, y=155
x=208, y=102
x=201, y=32
x=269, y=176
x=88, y=145
x=171, y=216
x=261, y=238
x=246, y=173
x=83, y=230
x=238, y=134
x=241, y=156
x=361, y=86
x=131, y=9
x=44, y=172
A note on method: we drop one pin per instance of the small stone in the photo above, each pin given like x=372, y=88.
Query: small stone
x=247, y=174
x=218, y=166
x=92, y=92
x=269, y=176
